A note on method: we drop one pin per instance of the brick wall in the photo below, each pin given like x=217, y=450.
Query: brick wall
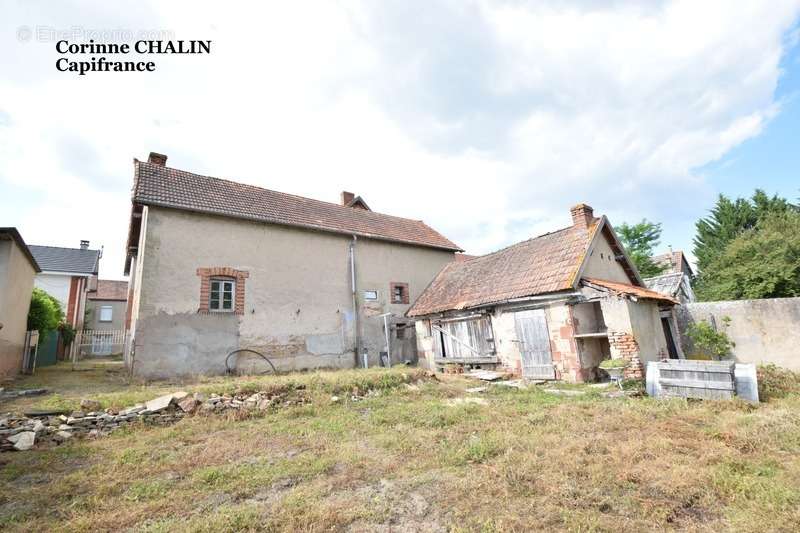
x=624, y=345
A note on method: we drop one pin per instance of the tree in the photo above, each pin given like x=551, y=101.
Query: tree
x=730, y=218
x=639, y=241
x=761, y=262
x=45, y=313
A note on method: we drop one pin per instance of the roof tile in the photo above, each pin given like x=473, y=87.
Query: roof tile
x=168, y=187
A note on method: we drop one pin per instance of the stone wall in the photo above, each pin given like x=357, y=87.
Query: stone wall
x=765, y=331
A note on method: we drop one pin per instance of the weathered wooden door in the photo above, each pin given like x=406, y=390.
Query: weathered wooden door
x=534, y=344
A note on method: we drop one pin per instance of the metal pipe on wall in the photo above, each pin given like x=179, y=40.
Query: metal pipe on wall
x=356, y=321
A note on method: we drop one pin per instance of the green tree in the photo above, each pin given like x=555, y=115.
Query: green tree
x=45, y=313
x=728, y=219
x=761, y=262
x=639, y=241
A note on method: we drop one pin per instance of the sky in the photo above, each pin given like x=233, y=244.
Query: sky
x=487, y=120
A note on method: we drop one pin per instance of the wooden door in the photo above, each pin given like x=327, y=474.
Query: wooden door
x=534, y=344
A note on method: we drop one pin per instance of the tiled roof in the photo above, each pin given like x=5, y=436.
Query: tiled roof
x=547, y=263
x=624, y=288
x=13, y=234
x=168, y=187
x=465, y=257
x=56, y=259
x=668, y=284
x=110, y=289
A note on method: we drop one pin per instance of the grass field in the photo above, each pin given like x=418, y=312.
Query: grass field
x=411, y=456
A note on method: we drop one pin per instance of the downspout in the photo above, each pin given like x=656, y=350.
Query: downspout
x=355, y=302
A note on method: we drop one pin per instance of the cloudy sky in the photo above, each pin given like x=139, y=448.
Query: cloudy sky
x=485, y=119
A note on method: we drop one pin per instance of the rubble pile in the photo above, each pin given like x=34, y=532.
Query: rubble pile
x=20, y=433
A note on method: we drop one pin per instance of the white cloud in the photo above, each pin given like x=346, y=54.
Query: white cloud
x=485, y=119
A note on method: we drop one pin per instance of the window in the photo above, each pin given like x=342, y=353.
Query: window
x=399, y=292
x=106, y=313
x=220, y=298
x=222, y=290
x=370, y=295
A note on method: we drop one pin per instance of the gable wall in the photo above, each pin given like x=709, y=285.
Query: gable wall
x=602, y=265
x=16, y=285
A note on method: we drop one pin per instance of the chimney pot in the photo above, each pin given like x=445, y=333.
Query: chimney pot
x=582, y=215
x=157, y=159
x=347, y=197
x=84, y=245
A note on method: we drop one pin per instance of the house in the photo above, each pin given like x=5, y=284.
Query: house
x=17, y=271
x=676, y=280
x=552, y=307
x=218, y=266
x=105, y=317
x=68, y=274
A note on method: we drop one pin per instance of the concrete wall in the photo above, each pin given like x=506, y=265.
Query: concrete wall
x=765, y=331
x=16, y=285
x=117, y=315
x=298, y=302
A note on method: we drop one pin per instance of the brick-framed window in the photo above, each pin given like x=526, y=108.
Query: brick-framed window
x=221, y=284
x=398, y=292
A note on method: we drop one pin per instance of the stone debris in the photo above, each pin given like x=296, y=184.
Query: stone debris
x=19, y=432
x=8, y=394
x=90, y=405
x=23, y=440
x=486, y=375
x=475, y=390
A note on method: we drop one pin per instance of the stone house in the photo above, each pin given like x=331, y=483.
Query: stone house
x=676, y=279
x=217, y=266
x=17, y=271
x=552, y=307
x=105, y=317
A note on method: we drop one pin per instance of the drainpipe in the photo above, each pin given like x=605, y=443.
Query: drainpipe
x=355, y=301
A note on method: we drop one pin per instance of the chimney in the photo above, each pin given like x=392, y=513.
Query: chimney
x=582, y=215
x=347, y=197
x=157, y=159
x=84, y=245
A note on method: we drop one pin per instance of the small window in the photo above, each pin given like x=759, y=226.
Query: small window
x=399, y=293
x=106, y=313
x=220, y=298
x=370, y=295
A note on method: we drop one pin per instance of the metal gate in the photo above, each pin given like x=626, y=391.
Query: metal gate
x=534, y=344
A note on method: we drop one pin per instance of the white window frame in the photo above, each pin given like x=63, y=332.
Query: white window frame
x=221, y=295
x=110, y=309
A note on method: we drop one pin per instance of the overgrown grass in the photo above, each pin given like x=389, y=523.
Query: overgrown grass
x=410, y=458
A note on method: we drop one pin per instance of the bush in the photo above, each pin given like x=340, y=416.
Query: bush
x=45, y=313
x=776, y=382
x=709, y=341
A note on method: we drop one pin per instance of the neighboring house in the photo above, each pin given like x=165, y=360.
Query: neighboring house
x=68, y=274
x=105, y=317
x=552, y=307
x=218, y=266
x=674, y=261
x=676, y=280
x=17, y=271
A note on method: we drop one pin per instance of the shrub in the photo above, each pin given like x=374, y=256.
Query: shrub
x=45, y=313
x=776, y=382
x=709, y=341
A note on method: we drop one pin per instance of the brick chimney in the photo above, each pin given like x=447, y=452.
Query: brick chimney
x=347, y=197
x=84, y=245
x=582, y=215
x=157, y=159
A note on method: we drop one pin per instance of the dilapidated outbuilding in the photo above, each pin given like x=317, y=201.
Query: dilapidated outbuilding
x=552, y=307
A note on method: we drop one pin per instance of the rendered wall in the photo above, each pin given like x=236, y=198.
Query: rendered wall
x=298, y=300
x=16, y=285
x=602, y=265
x=765, y=331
